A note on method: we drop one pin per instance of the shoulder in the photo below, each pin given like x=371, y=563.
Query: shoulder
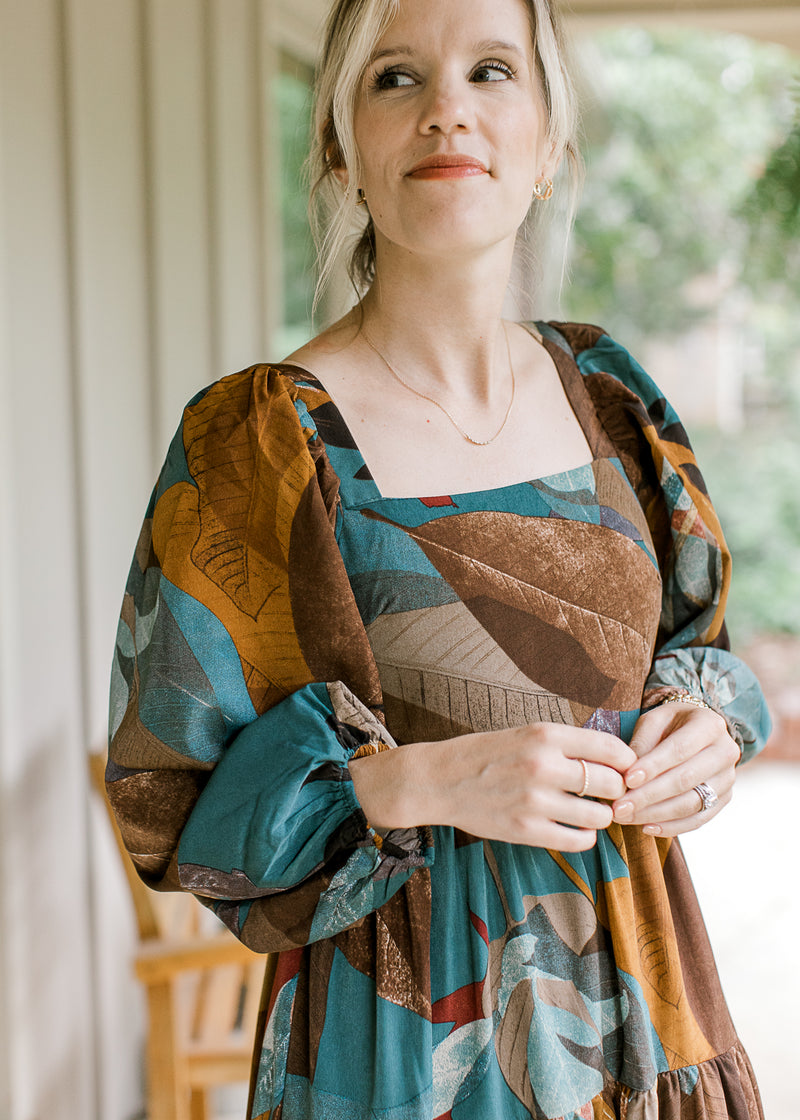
x=609, y=369
x=253, y=409
x=259, y=417
x=643, y=426
x=596, y=352
x=255, y=395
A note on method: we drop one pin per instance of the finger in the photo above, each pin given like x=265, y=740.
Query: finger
x=559, y=838
x=579, y=812
x=685, y=805
x=665, y=802
x=680, y=746
x=681, y=777
x=599, y=747
x=690, y=823
x=591, y=779
x=650, y=729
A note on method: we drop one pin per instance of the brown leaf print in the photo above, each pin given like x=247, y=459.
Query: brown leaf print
x=391, y=946
x=443, y=674
x=548, y=591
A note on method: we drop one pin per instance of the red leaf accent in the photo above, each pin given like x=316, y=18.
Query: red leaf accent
x=480, y=927
x=466, y=1004
x=460, y=1007
x=436, y=503
x=287, y=968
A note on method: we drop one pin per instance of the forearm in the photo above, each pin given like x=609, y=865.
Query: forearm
x=517, y=785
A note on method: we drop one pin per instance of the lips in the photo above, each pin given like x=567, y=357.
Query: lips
x=447, y=167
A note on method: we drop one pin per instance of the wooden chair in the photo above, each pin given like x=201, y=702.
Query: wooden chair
x=203, y=991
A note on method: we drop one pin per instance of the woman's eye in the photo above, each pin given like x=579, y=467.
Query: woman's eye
x=393, y=79
x=492, y=72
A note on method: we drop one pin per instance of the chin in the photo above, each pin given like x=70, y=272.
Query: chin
x=448, y=235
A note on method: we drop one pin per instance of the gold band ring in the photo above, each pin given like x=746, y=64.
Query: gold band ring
x=585, y=766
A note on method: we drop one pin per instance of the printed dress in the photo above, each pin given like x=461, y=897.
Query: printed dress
x=283, y=617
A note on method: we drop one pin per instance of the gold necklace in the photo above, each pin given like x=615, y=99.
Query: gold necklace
x=441, y=407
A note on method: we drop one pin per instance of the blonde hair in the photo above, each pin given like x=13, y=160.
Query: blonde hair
x=351, y=32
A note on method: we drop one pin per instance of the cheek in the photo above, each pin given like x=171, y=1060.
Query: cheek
x=373, y=134
x=532, y=136
x=525, y=151
x=365, y=142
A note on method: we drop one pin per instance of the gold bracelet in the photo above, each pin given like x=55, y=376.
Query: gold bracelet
x=683, y=696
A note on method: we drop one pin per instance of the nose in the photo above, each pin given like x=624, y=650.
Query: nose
x=447, y=107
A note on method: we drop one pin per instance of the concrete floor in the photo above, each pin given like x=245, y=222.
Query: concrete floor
x=744, y=868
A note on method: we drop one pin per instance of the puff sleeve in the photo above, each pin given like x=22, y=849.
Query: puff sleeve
x=692, y=649
x=243, y=682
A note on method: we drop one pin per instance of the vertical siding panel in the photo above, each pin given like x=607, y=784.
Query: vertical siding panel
x=109, y=292
x=235, y=181
x=110, y=279
x=44, y=960
x=269, y=38
x=9, y=627
x=177, y=127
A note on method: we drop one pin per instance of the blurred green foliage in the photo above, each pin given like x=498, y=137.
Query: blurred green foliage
x=754, y=481
x=679, y=127
x=693, y=187
x=293, y=106
x=772, y=210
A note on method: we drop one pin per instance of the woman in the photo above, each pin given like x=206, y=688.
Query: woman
x=462, y=846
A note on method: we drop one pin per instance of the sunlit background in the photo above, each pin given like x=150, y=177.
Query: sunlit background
x=153, y=237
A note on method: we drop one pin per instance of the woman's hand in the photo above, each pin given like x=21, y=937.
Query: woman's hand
x=521, y=786
x=678, y=747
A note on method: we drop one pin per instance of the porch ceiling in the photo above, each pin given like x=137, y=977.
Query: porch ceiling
x=777, y=21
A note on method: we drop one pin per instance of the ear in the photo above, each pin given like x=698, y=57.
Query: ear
x=551, y=161
x=336, y=165
x=333, y=155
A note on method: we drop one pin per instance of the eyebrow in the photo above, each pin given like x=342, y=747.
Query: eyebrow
x=485, y=47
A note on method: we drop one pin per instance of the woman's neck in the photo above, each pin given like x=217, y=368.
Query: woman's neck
x=441, y=322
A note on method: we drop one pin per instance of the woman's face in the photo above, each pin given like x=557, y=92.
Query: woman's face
x=450, y=126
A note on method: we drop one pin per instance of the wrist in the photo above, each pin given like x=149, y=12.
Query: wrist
x=392, y=786
x=685, y=696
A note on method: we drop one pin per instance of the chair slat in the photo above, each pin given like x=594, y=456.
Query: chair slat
x=203, y=993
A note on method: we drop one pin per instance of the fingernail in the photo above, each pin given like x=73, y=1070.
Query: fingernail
x=623, y=811
x=652, y=829
x=635, y=778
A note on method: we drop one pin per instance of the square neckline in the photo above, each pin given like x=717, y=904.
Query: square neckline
x=574, y=390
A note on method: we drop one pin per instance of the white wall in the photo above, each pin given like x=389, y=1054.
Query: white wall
x=45, y=951
x=137, y=263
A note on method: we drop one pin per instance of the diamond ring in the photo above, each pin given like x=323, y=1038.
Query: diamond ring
x=708, y=796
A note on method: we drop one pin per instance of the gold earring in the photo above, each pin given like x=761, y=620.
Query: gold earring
x=543, y=190
x=362, y=198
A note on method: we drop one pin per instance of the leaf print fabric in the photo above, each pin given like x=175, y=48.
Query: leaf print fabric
x=283, y=617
